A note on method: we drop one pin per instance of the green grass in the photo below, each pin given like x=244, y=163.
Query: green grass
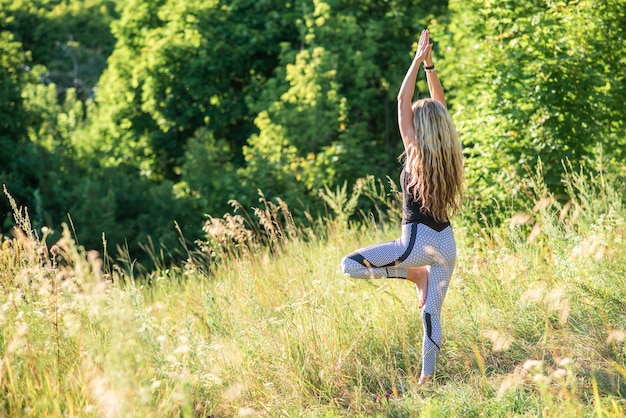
x=532, y=326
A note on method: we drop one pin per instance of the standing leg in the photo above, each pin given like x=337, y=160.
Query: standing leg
x=439, y=279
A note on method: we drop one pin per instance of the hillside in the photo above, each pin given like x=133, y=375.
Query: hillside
x=534, y=322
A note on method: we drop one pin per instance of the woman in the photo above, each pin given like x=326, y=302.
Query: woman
x=432, y=188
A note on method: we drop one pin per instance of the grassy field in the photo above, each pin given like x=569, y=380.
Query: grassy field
x=534, y=321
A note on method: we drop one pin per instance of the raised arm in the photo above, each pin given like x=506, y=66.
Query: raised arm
x=434, y=85
x=405, y=95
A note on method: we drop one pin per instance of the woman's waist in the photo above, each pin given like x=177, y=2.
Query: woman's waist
x=425, y=220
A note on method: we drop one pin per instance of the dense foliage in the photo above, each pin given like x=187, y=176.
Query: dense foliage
x=129, y=118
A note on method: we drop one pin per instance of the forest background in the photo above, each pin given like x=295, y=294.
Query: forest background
x=134, y=120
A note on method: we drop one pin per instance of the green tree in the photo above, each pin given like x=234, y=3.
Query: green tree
x=171, y=109
x=328, y=114
x=180, y=66
x=71, y=39
x=536, y=80
x=210, y=180
x=13, y=76
x=118, y=210
x=56, y=52
x=18, y=161
x=296, y=148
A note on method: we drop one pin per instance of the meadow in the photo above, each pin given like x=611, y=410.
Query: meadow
x=261, y=322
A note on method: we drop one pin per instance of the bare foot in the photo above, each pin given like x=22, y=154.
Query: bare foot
x=419, y=276
x=424, y=380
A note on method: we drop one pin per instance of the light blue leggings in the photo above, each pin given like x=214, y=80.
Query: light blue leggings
x=419, y=245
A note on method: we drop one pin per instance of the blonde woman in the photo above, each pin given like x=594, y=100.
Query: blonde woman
x=432, y=188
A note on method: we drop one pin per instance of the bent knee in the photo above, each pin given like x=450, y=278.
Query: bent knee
x=347, y=266
x=351, y=267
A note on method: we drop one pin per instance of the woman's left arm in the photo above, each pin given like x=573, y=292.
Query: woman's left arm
x=405, y=95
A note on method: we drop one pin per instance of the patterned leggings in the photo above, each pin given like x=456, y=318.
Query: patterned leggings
x=419, y=245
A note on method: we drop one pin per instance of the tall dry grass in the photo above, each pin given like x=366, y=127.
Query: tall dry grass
x=534, y=322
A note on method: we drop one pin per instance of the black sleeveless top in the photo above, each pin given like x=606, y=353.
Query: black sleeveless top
x=411, y=212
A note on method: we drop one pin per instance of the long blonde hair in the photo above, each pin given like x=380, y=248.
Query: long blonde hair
x=435, y=161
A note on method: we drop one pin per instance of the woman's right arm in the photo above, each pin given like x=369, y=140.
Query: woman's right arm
x=434, y=85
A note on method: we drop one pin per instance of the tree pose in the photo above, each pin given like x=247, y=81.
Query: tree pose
x=432, y=187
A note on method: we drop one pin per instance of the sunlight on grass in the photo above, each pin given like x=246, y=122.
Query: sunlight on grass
x=534, y=323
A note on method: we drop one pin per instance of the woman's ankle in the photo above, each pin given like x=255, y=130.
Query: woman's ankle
x=424, y=379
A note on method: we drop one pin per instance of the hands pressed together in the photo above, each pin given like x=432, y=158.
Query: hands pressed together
x=424, y=54
x=424, y=49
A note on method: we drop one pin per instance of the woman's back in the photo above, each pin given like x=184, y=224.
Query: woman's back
x=434, y=161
